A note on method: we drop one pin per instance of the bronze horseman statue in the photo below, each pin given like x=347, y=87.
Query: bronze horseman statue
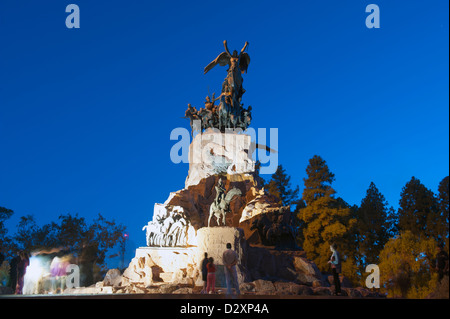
x=230, y=113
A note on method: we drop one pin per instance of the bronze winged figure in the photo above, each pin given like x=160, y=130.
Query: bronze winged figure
x=237, y=65
x=233, y=60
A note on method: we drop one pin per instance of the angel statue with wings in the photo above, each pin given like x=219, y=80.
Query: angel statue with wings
x=230, y=112
x=237, y=65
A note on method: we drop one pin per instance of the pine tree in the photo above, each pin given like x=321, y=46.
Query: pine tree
x=325, y=219
x=280, y=186
x=374, y=228
x=418, y=210
x=318, y=183
x=443, y=202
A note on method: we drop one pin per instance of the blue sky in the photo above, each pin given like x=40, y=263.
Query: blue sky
x=86, y=114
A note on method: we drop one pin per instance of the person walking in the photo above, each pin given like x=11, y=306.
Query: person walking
x=230, y=260
x=335, y=262
x=211, y=286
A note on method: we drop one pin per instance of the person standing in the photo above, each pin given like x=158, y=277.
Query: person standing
x=86, y=261
x=335, y=262
x=22, y=265
x=211, y=286
x=230, y=260
x=204, y=273
x=13, y=271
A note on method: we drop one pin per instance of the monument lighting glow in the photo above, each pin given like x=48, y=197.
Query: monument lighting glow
x=223, y=197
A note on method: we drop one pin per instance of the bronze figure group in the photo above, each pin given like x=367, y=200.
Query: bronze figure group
x=229, y=113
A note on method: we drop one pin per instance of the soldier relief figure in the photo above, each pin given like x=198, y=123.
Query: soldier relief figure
x=168, y=230
x=230, y=113
x=220, y=192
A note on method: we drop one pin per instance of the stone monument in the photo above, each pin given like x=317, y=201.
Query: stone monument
x=222, y=202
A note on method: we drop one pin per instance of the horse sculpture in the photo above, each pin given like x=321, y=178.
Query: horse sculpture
x=220, y=210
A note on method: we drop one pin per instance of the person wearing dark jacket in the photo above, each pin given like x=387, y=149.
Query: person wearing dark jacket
x=204, y=272
x=22, y=265
x=335, y=262
x=13, y=272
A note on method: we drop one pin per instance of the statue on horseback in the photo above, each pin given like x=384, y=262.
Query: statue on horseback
x=221, y=204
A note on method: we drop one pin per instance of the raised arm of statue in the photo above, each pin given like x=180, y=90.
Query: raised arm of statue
x=226, y=47
x=245, y=46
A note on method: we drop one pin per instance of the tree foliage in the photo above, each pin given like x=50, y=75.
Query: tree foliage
x=318, y=183
x=443, y=204
x=402, y=243
x=5, y=241
x=405, y=265
x=326, y=220
x=418, y=210
x=280, y=186
x=71, y=233
x=375, y=224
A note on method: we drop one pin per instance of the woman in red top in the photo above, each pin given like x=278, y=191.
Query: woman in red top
x=211, y=279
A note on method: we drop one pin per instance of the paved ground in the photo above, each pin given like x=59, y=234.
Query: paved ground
x=195, y=295
x=171, y=296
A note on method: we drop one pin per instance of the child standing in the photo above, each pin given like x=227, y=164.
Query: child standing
x=211, y=279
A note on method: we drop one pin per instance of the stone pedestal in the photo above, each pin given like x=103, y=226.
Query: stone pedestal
x=213, y=240
x=181, y=221
x=170, y=259
x=162, y=264
x=183, y=265
x=212, y=153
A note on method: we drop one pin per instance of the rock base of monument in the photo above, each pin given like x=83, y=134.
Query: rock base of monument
x=259, y=229
x=168, y=264
x=183, y=265
x=261, y=270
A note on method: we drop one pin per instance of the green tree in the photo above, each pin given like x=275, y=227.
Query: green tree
x=73, y=233
x=280, y=186
x=325, y=219
x=5, y=241
x=5, y=214
x=374, y=225
x=106, y=234
x=31, y=237
x=418, y=210
x=443, y=203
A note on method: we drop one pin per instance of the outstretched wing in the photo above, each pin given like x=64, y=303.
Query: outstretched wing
x=223, y=59
x=244, y=62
